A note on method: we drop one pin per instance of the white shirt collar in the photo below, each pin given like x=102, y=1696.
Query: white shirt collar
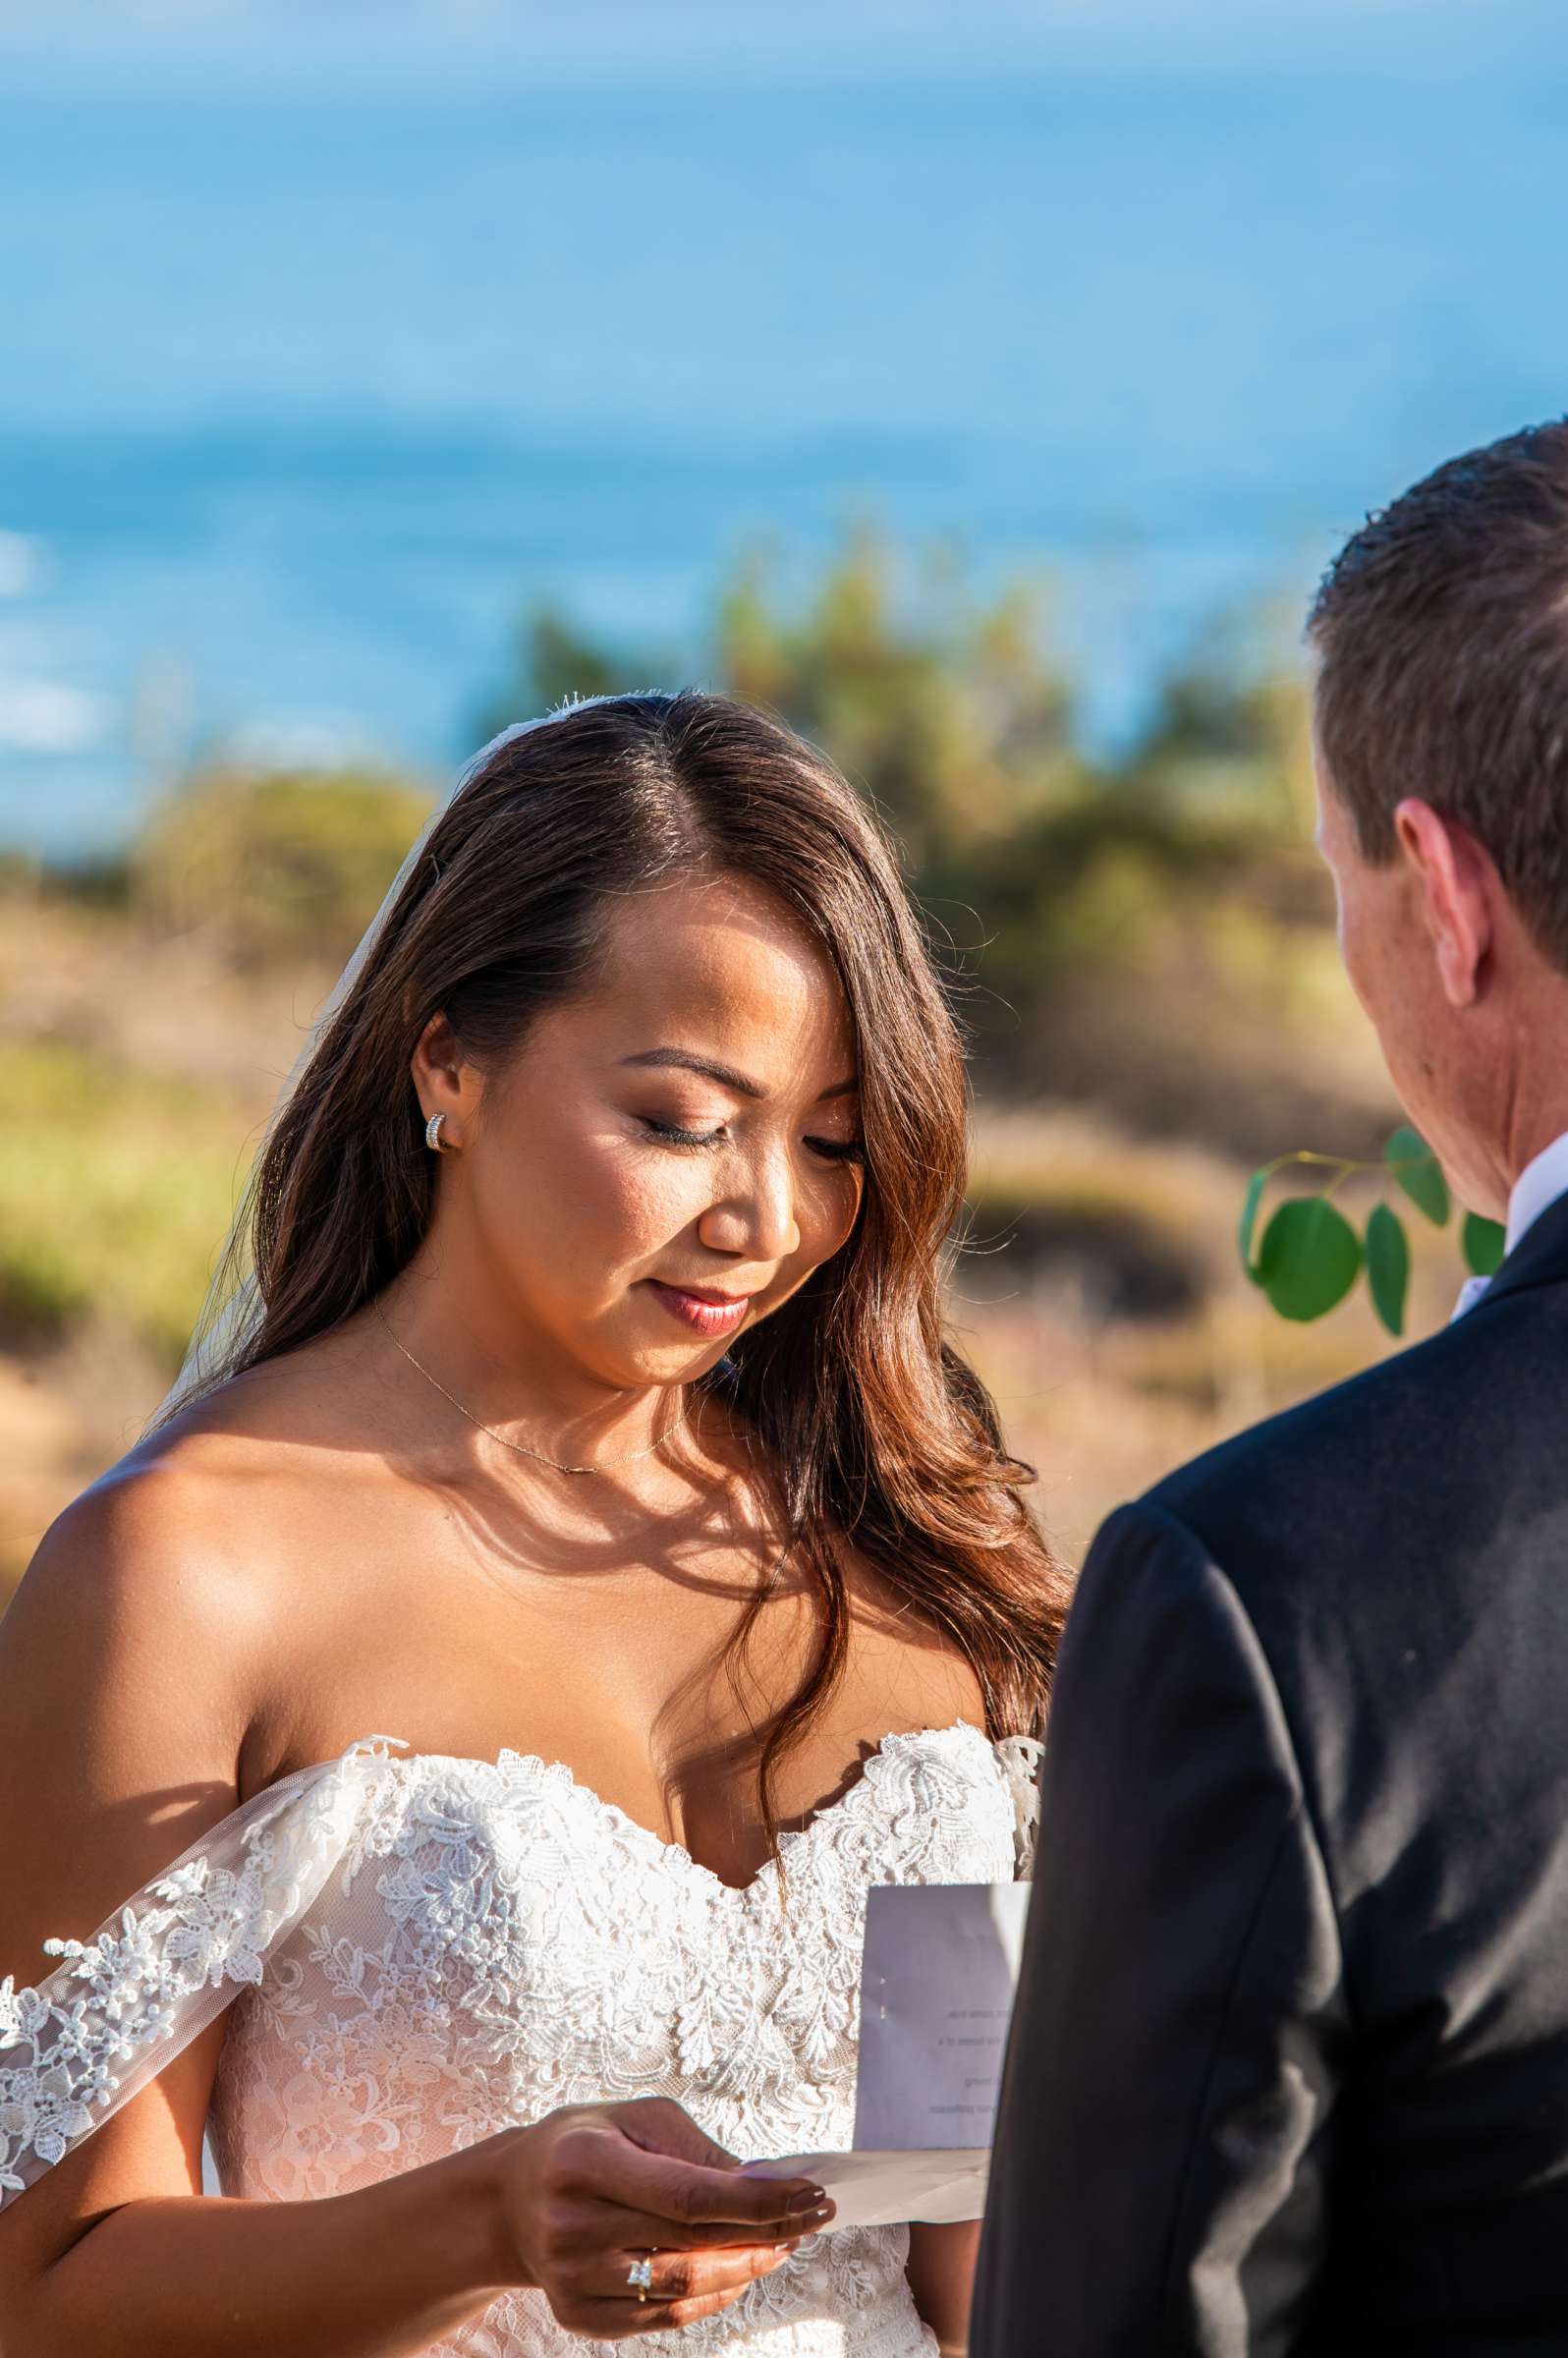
x=1537, y=1186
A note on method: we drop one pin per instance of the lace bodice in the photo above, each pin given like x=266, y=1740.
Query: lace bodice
x=421, y=1950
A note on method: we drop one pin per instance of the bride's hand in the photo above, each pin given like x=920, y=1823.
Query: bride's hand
x=593, y=2188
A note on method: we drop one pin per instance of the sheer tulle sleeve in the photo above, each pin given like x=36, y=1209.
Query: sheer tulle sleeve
x=121, y=2006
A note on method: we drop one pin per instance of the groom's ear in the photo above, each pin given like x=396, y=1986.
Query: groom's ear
x=1456, y=883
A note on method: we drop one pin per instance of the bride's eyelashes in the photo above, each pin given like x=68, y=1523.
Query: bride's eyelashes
x=671, y=1133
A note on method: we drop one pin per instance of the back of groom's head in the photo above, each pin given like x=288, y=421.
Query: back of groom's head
x=1441, y=632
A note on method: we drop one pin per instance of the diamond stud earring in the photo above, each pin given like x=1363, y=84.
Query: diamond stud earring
x=432, y=1135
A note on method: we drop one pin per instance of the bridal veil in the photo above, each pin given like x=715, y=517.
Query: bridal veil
x=232, y=1309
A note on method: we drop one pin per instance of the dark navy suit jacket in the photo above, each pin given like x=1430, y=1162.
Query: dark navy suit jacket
x=1289, y=2067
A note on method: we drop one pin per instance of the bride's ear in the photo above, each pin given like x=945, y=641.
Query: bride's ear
x=444, y=1081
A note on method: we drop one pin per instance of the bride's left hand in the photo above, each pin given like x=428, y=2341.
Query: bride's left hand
x=595, y=2189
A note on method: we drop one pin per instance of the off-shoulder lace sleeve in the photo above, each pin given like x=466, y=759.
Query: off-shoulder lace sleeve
x=122, y=2005
x=1021, y=1757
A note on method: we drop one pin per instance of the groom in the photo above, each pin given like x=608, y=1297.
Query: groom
x=1289, y=2070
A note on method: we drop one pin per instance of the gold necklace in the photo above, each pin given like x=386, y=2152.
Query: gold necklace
x=518, y=1448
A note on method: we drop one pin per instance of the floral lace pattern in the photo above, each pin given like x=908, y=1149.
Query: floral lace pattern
x=124, y=2003
x=427, y=1950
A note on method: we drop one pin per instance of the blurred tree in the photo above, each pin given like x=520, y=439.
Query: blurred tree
x=1232, y=729
x=1099, y=918
x=277, y=864
x=554, y=663
x=953, y=718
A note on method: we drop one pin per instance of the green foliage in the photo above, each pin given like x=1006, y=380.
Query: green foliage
x=1387, y=1267
x=277, y=864
x=1310, y=1258
x=1248, y=1220
x=952, y=717
x=114, y=1188
x=1228, y=728
x=951, y=714
x=1484, y=1243
x=1416, y=1169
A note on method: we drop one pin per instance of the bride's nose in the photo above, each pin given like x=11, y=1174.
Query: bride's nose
x=756, y=1215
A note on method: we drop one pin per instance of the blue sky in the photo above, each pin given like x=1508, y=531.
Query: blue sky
x=610, y=41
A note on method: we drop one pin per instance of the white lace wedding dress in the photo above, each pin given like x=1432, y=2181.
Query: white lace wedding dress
x=422, y=1949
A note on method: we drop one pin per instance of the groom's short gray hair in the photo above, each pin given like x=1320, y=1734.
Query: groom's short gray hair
x=1442, y=630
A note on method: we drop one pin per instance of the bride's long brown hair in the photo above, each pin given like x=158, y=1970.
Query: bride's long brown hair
x=876, y=1429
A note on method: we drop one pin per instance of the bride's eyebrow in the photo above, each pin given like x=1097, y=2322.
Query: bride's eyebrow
x=683, y=1060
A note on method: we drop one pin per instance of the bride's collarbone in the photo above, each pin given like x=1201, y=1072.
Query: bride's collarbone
x=613, y=1663
x=652, y=1730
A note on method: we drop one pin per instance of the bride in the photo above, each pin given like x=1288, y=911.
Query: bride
x=577, y=1569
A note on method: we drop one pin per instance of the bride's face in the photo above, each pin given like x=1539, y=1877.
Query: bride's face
x=667, y=1157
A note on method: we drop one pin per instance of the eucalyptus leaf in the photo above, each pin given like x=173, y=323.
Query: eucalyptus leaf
x=1310, y=1258
x=1416, y=1169
x=1484, y=1243
x=1248, y=1220
x=1388, y=1266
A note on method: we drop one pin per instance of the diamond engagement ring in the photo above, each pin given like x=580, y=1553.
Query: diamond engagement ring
x=641, y=2274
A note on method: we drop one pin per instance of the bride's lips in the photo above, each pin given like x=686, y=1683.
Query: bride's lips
x=706, y=1313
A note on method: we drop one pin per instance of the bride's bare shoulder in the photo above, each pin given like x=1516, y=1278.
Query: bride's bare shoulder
x=131, y=1659
x=143, y=1560
x=177, y=1554
x=137, y=1657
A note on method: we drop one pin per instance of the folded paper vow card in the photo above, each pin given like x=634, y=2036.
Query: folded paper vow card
x=937, y=1992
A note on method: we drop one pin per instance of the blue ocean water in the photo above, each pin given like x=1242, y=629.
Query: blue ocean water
x=310, y=384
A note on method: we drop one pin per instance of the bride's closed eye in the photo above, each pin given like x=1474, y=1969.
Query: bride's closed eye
x=672, y=1134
